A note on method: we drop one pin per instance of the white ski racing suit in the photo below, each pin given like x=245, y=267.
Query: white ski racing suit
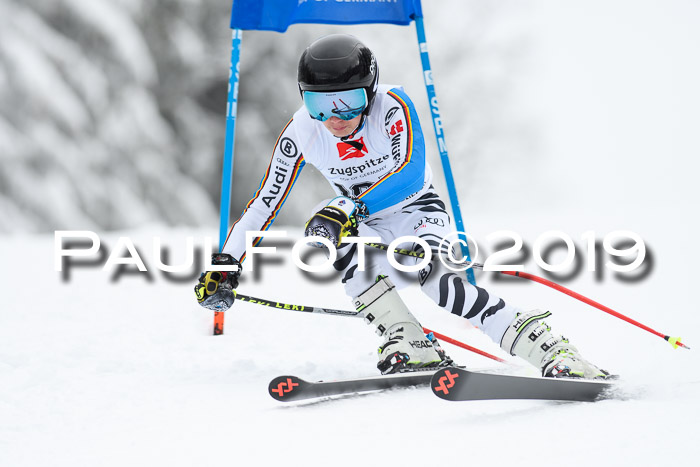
x=383, y=165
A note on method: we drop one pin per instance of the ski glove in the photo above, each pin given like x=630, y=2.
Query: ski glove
x=215, y=289
x=336, y=220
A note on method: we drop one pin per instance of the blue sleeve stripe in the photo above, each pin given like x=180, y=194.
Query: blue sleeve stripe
x=411, y=172
x=409, y=151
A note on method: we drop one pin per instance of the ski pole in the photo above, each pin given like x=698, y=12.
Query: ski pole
x=674, y=341
x=355, y=314
x=444, y=338
x=302, y=308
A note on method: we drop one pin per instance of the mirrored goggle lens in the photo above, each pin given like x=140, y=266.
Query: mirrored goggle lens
x=345, y=105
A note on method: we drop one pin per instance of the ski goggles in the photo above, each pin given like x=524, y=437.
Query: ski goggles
x=345, y=105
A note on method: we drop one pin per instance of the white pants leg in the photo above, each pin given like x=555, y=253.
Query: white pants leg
x=427, y=219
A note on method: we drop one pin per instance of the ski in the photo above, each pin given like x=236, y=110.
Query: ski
x=292, y=388
x=455, y=384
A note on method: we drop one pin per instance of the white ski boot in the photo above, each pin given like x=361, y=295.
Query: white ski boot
x=405, y=345
x=530, y=339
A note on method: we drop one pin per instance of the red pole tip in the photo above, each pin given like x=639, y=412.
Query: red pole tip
x=676, y=342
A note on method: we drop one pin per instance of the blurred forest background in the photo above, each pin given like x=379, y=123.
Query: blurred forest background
x=112, y=112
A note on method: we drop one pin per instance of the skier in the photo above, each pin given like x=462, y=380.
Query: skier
x=365, y=138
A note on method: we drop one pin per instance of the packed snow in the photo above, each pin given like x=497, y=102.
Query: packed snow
x=121, y=372
x=110, y=369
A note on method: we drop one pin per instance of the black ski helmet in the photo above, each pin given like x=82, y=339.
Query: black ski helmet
x=338, y=62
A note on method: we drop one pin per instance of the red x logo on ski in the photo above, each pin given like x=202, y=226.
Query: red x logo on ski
x=445, y=388
x=281, y=387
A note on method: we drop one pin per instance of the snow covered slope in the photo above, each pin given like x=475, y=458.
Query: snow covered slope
x=127, y=373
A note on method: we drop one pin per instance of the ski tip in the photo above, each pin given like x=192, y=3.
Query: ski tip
x=676, y=342
x=444, y=381
x=284, y=388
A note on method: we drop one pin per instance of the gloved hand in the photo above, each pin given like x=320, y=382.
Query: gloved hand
x=215, y=288
x=336, y=220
